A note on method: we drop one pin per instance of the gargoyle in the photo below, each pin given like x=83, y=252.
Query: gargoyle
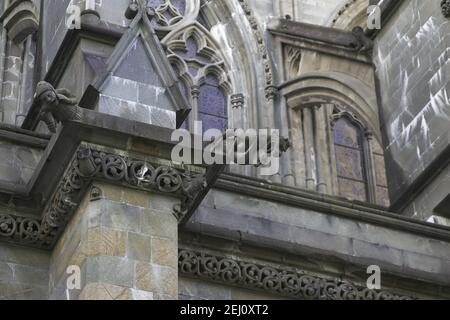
x=56, y=105
x=364, y=43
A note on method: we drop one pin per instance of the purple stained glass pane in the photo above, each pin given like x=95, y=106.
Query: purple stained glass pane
x=347, y=134
x=352, y=190
x=349, y=163
x=155, y=3
x=212, y=122
x=383, y=197
x=212, y=80
x=212, y=101
x=180, y=5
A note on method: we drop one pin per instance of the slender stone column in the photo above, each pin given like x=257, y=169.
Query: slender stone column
x=124, y=243
x=310, y=153
x=194, y=115
x=298, y=146
x=321, y=148
x=370, y=168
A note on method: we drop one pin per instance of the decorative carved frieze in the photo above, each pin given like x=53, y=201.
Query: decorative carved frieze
x=20, y=20
x=445, y=6
x=282, y=281
x=88, y=166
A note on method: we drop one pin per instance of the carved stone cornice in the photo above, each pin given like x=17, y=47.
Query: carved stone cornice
x=91, y=165
x=283, y=281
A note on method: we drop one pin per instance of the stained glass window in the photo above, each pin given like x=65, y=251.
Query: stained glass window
x=349, y=148
x=212, y=105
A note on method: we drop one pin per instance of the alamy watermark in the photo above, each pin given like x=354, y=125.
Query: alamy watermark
x=374, y=280
x=374, y=17
x=260, y=148
x=73, y=13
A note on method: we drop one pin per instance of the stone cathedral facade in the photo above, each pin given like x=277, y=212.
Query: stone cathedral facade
x=93, y=207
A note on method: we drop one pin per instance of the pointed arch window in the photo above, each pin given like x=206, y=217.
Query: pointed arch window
x=350, y=164
x=197, y=59
x=360, y=167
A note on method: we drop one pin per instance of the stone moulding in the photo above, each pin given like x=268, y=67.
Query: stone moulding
x=287, y=282
x=91, y=165
x=270, y=92
x=20, y=20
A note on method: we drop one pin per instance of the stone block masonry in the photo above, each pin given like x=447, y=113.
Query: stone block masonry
x=125, y=245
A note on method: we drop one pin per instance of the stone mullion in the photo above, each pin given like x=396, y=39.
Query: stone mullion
x=323, y=173
x=298, y=148
x=11, y=81
x=369, y=163
x=310, y=154
x=287, y=170
x=333, y=167
x=3, y=39
x=194, y=115
x=23, y=78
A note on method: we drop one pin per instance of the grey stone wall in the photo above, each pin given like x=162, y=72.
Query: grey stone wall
x=302, y=231
x=125, y=245
x=18, y=162
x=194, y=289
x=411, y=56
x=23, y=273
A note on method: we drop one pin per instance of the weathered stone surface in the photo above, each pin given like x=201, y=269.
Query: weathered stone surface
x=156, y=279
x=111, y=270
x=158, y=224
x=104, y=291
x=164, y=252
x=121, y=216
x=104, y=241
x=139, y=247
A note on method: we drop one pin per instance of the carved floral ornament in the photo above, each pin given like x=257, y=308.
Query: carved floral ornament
x=279, y=281
x=90, y=165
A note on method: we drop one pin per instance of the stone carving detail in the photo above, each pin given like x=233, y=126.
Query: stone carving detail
x=337, y=114
x=261, y=46
x=20, y=20
x=445, y=5
x=195, y=55
x=364, y=43
x=90, y=165
x=56, y=105
x=280, y=281
x=293, y=58
x=237, y=101
x=96, y=193
x=23, y=230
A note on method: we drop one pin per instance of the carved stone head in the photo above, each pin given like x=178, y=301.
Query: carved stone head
x=46, y=93
x=445, y=6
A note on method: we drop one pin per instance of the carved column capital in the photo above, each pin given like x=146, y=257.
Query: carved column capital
x=271, y=92
x=237, y=101
x=195, y=92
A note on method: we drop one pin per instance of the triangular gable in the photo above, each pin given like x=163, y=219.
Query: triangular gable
x=139, y=74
